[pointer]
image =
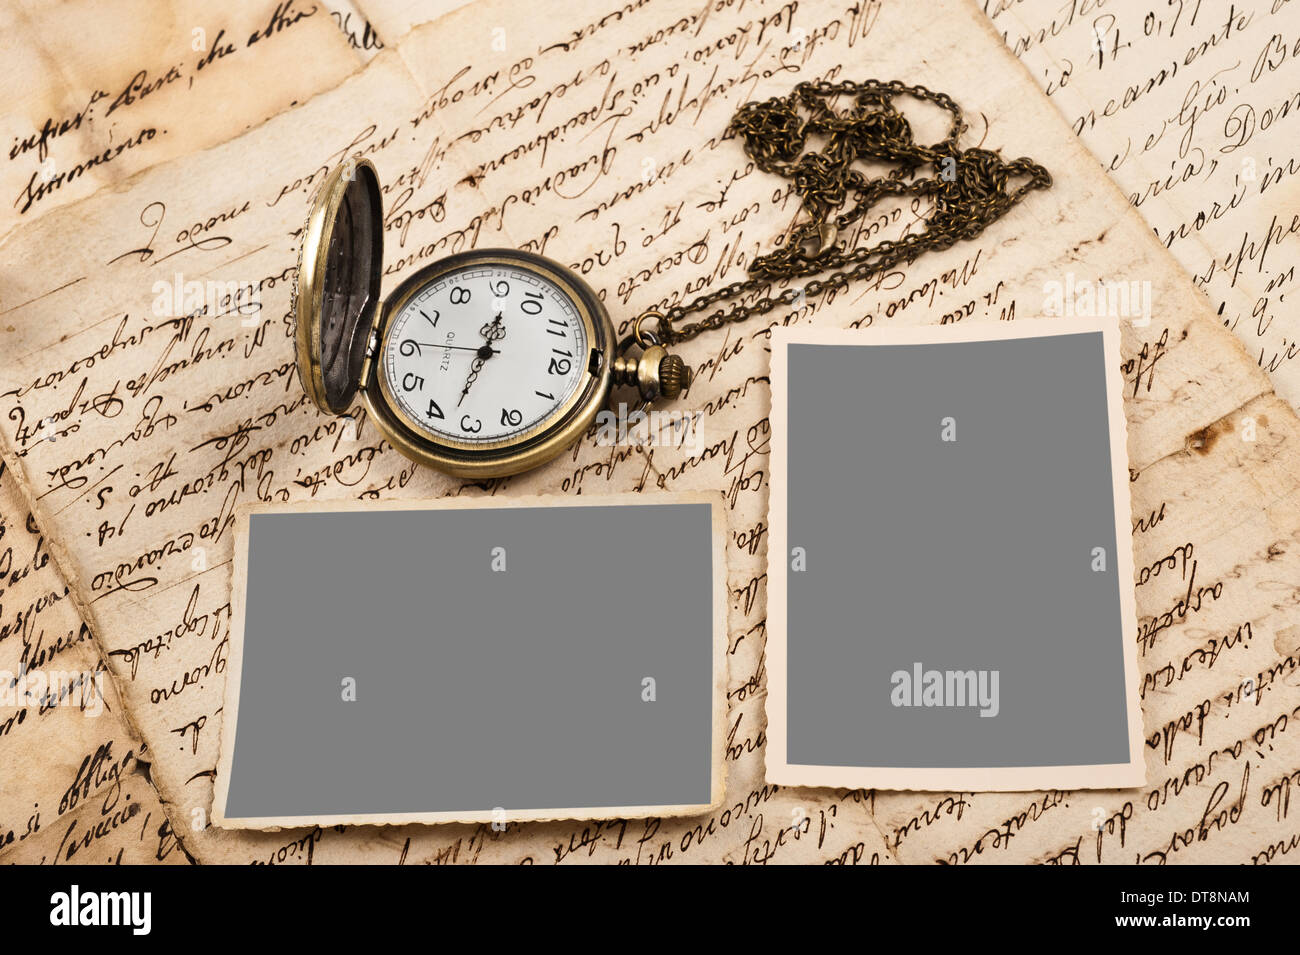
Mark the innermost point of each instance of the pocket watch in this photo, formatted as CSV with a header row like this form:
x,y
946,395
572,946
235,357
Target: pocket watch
x,y
483,364
491,362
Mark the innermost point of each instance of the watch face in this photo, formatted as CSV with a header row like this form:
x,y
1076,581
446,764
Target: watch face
x,y
485,354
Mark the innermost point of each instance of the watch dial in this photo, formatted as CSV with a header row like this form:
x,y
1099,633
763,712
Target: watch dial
x,y
485,353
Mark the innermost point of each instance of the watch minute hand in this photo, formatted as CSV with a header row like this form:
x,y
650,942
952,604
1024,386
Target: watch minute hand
x,y
475,367
473,348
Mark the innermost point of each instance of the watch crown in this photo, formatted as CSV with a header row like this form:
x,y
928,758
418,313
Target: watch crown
x,y
674,376
655,373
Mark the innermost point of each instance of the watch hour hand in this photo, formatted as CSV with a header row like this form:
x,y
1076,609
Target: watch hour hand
x,y
494,330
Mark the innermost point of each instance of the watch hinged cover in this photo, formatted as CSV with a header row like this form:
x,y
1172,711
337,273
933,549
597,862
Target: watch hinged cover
x,y
338,284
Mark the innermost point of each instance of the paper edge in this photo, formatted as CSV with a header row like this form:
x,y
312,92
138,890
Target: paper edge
x,y
234,672
1130,774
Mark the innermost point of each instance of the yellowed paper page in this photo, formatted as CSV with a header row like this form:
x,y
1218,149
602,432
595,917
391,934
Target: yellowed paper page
x,y
1191,107
599,143
96,92
74,778
393,19
360,32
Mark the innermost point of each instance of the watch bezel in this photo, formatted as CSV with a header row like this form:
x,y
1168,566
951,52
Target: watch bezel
x,y
515,453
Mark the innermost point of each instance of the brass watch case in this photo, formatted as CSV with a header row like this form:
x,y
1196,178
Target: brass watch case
x,y
340,327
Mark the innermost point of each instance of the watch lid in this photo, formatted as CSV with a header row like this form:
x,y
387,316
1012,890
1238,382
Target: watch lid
x,y
337,294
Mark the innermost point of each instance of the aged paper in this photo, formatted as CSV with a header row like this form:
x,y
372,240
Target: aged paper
x,y
1028,775
517,814
1191,107
360,32
392,19
599,142
74,777
90,102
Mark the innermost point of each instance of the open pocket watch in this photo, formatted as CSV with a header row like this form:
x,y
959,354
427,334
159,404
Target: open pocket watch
x,y
483,364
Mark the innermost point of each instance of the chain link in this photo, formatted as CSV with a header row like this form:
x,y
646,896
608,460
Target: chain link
x,y
969,190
